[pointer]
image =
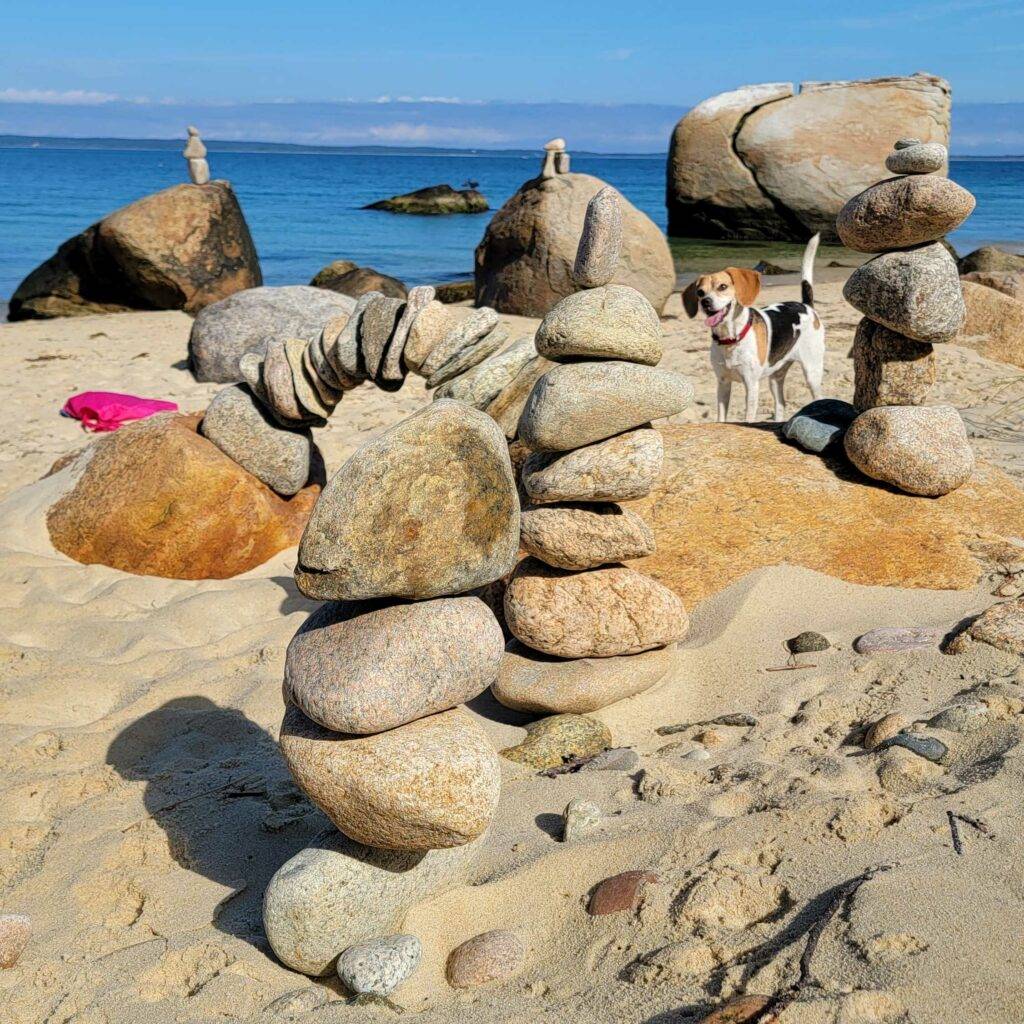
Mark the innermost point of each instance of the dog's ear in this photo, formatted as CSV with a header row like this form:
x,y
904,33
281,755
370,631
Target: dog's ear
x,y
690,299
747,284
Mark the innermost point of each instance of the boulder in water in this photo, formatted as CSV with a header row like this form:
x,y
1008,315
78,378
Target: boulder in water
x,y
434,200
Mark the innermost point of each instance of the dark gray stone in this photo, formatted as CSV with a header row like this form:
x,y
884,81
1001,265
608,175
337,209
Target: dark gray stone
x,y
820,426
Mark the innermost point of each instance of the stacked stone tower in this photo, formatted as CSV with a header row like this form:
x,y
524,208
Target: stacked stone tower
x,y
586,423
195,156
911,299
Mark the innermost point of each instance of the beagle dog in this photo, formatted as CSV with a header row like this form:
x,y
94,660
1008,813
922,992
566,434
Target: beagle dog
x,y
749,344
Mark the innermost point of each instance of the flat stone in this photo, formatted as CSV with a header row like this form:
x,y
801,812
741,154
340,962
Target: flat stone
x,y
15,931
579,818
469,356
363,668
318,350
1001,626
466,333
576,404
918,158
309,400
346,355
618,469
375,329
820,426
429,328
884,729
807,642
337,893
506,408
889,369
597,258
906,143
428,785
618,759
614,322
428,508
485,959
329,396
599,613
277,380
236,423
584,536
619,893
531,681
393,367
380,966
915,292
927,747
250,368
921,450
901,212
899,638
550,742
481,384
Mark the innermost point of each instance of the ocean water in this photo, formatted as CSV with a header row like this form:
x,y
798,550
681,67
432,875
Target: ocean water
x,y
304,210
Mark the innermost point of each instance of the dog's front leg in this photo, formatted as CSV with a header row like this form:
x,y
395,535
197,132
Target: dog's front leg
x,y
753,386
724,393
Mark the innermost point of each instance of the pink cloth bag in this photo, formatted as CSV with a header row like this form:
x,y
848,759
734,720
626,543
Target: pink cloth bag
x,y
107,410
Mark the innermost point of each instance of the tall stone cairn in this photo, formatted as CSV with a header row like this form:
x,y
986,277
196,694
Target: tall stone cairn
x,y
586,423
911,298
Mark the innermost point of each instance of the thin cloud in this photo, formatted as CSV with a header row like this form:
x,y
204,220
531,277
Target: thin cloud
x,y
63,98
623,53
931,12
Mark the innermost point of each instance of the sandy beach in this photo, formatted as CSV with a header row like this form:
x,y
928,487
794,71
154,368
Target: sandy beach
x,y
145,804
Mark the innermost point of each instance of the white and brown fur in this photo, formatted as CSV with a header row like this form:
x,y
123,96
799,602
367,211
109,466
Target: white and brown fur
x,y
779,336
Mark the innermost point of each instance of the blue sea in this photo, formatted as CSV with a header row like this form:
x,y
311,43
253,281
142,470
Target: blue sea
x,y
304,210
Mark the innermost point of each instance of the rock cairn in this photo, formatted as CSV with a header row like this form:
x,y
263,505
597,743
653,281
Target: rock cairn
x,y
911,298
586,423
556,159
195,155
401,541
264,423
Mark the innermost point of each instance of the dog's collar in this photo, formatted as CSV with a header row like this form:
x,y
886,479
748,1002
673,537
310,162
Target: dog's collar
x,y
739,337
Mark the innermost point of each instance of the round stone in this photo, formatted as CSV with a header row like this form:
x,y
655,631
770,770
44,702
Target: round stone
x,y
576,404
550,742
619,893
236,423
884,729
615,322
379,967
487,958
368,667
584,536
889,369
918,449
919,158
903,212
531,681
807,642
618,469
431,784
599,613
597,258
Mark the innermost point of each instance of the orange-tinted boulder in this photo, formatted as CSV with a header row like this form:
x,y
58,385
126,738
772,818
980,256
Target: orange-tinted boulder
x,y
157,499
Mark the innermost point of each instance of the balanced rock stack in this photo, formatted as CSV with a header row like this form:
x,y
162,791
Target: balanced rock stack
x,y
586,422
556,159
911,299
401,540
195,156
264,423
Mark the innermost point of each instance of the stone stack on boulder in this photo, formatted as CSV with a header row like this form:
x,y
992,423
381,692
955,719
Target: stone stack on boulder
x,y
911,298
586,422
404,537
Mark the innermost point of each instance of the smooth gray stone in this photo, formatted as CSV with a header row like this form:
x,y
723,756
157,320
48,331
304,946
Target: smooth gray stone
x,y
379,967
393,367
375,329
236,423
617,759
345,354
579,818
322,365
927,747
481,384
468,357
464,334
309,399
820,425
597,257
899,638
246,321
576,404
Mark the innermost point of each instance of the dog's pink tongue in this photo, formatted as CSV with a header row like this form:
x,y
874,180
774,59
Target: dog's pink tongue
x,y
716,318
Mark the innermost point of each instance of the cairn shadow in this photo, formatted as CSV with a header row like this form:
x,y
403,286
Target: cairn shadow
x,y
294,600
217,786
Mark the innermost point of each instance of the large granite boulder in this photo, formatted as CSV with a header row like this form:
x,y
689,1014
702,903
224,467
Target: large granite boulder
x,y
158,499
245,322
524,263
766,161
994,325
181,248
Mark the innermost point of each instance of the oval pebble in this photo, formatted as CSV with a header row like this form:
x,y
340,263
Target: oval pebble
x,y
486,958
379,967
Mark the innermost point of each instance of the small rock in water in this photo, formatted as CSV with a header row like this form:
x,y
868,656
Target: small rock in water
x,y
919,158
820,425
618,759
379,967
484,959
15,931
552,741
618,893
885,729
597,257
579,818
927,747
899,638
807,642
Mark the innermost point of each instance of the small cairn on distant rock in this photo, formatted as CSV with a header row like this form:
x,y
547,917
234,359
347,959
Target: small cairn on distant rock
x,y
195,155
586,422
911,298
556,159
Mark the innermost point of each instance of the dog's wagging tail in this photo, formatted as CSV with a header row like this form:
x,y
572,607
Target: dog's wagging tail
x,y
807,271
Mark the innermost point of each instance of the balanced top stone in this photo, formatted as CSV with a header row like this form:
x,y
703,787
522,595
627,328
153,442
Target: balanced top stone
x,y
597,257
194,148
552,150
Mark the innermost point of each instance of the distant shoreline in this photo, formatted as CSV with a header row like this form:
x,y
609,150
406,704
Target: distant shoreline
x,y
60,142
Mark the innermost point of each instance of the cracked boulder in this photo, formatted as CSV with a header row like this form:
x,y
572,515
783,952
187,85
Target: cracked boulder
x,y
767,161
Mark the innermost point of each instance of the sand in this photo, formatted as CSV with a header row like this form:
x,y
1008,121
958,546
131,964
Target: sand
x,y
144,804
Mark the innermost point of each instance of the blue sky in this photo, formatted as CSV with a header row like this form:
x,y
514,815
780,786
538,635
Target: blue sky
x,y
116,59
